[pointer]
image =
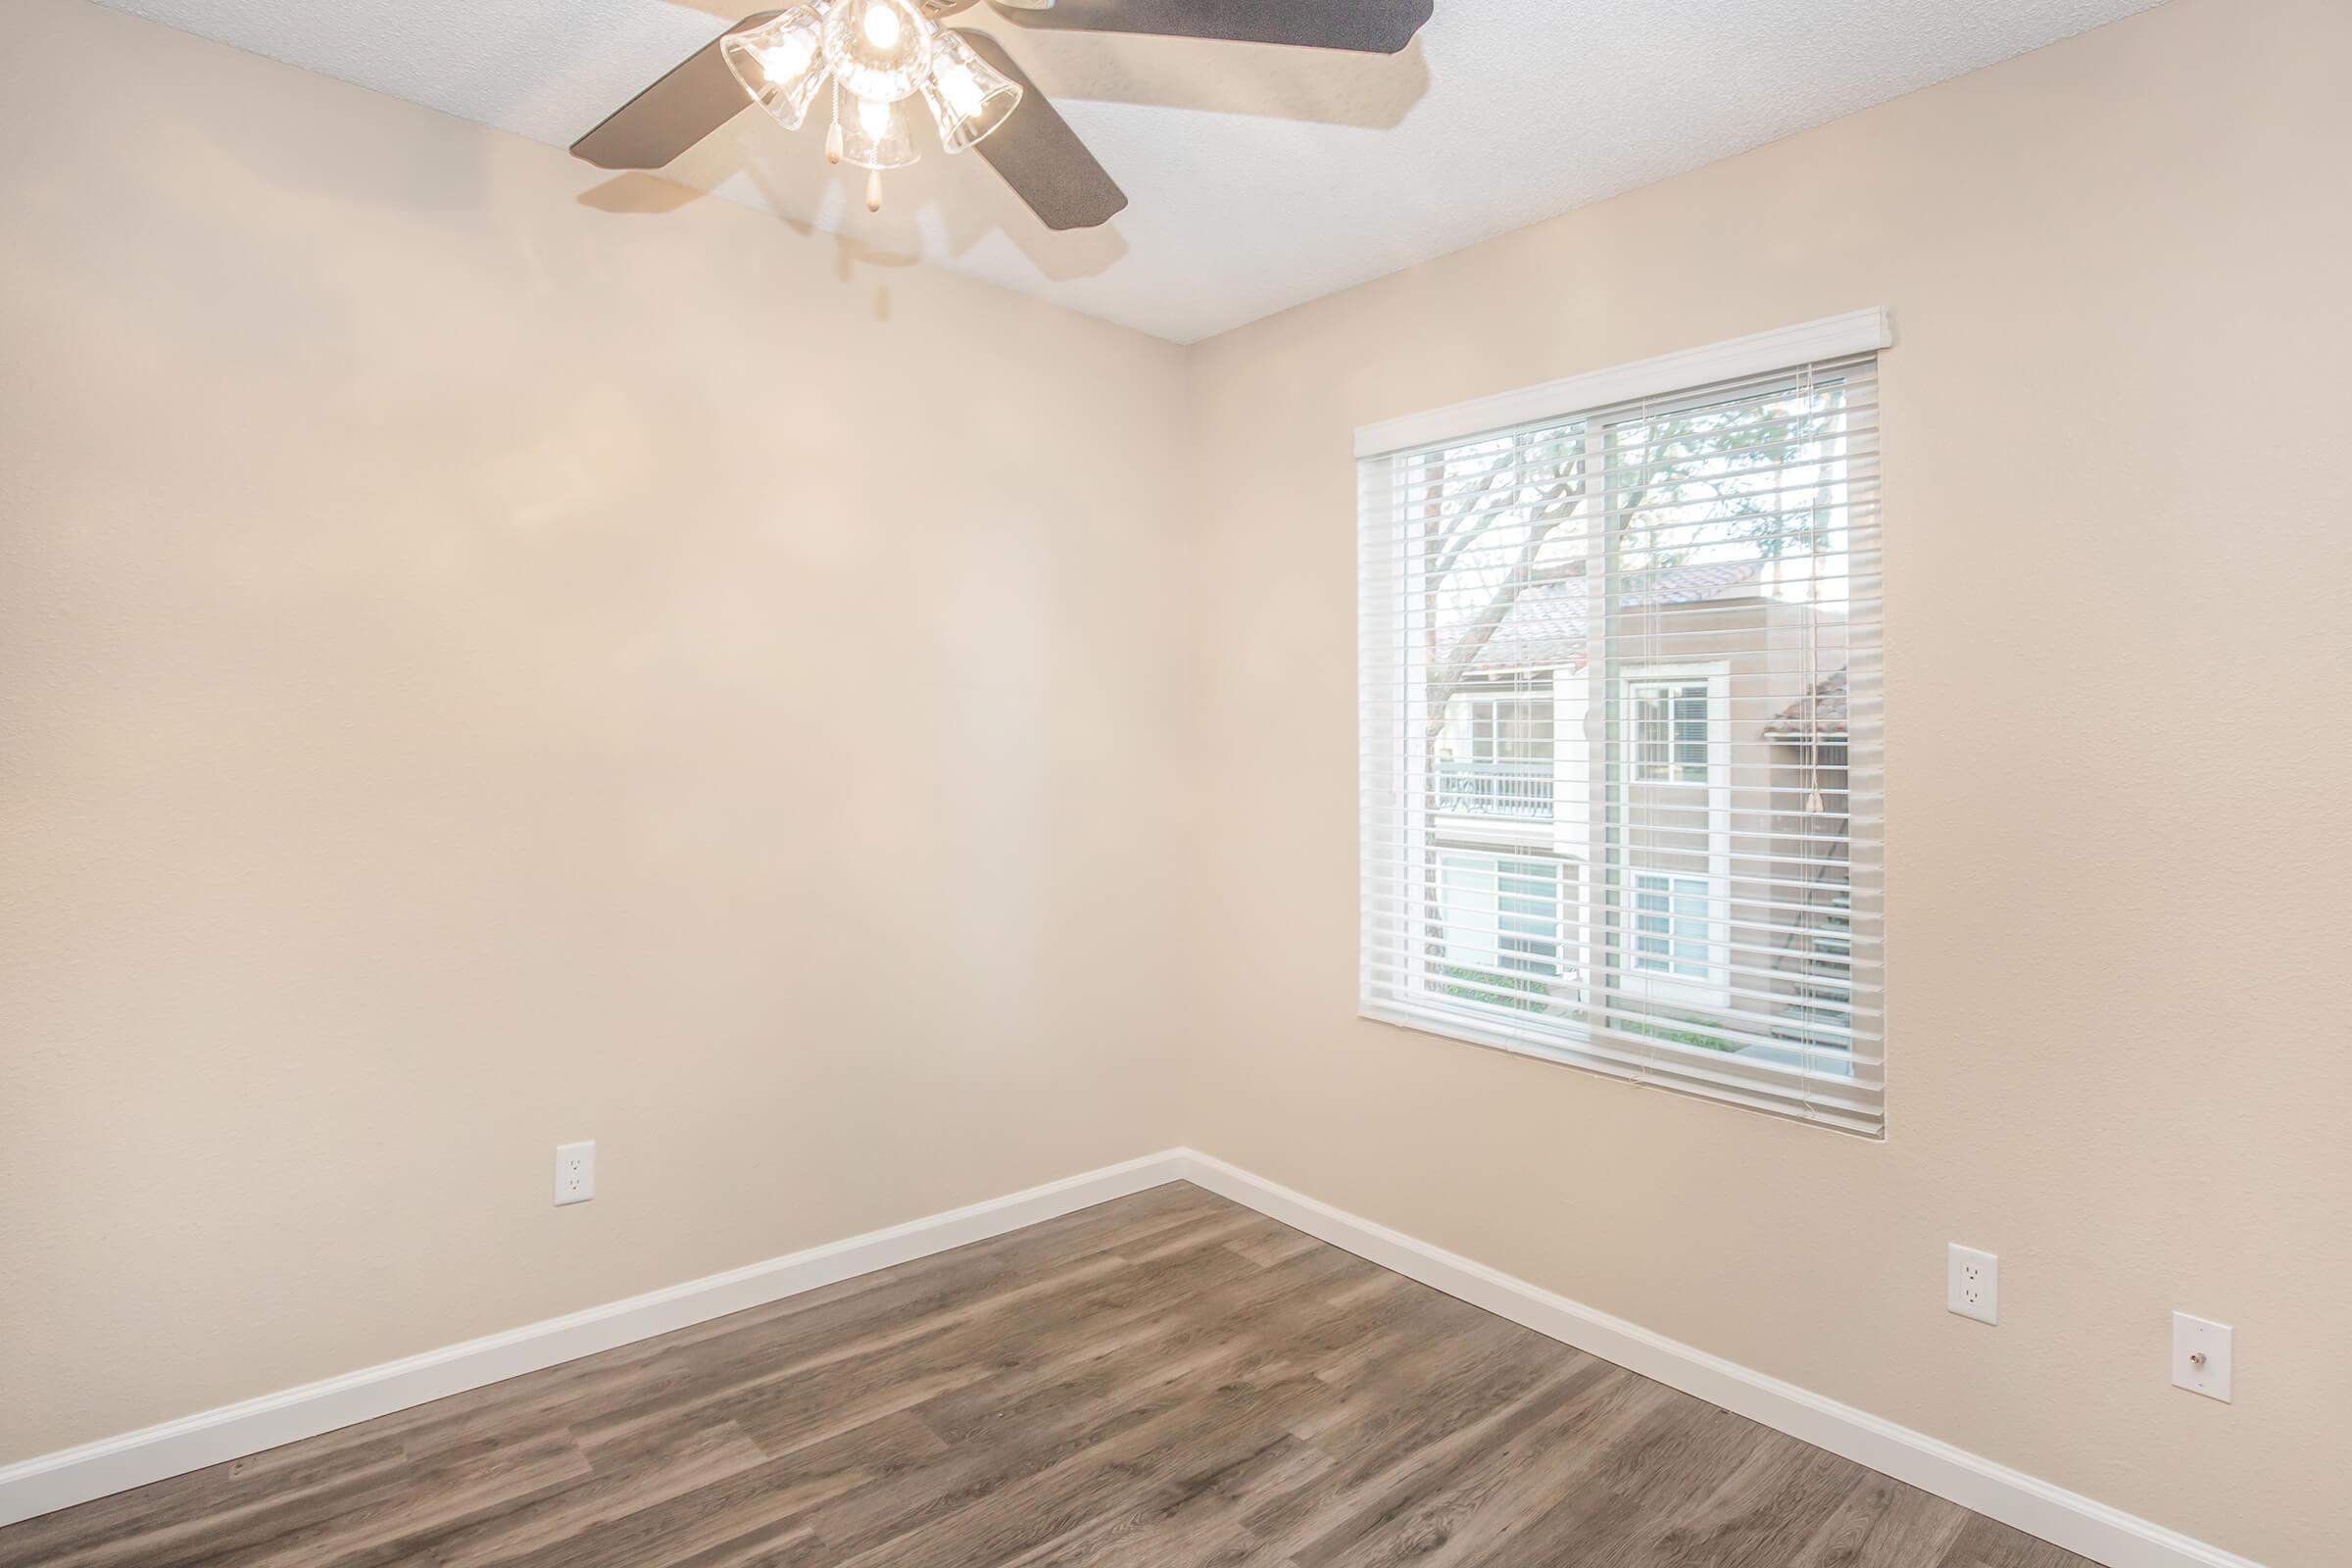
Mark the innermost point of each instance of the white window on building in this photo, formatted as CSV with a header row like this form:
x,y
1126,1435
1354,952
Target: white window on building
x,y
1494,755
1670,731
1506,917
1672,917
1510,729
1620,706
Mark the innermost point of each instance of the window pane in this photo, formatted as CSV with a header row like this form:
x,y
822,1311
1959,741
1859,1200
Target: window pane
x,y
1691,914
1529,906
1690,734
1654,924
1500,921
1495,750
1651,739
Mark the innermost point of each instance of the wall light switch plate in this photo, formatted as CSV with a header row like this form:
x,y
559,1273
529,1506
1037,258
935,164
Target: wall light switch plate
x,y
575,1172
1973,1284
2201,1356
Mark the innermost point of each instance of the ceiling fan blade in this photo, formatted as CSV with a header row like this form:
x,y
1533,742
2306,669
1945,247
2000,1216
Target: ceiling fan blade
x,y
1374,26
699,95
1041,157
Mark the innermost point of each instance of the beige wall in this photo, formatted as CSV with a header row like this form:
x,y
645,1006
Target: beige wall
x,y
2119,720
472,676
476,671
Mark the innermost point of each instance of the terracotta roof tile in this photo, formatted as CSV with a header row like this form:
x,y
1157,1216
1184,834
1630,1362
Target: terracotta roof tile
x,y
1822,715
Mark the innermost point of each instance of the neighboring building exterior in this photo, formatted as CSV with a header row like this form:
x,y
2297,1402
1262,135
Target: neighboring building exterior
x,y
1721,808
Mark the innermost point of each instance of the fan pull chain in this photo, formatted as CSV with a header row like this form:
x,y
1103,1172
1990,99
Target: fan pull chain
x,y
833,133
873,191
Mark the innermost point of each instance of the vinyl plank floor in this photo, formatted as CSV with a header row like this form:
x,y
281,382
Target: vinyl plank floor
x,y
1168,1381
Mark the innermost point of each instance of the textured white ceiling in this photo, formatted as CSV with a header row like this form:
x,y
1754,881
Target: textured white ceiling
x,y
1259,177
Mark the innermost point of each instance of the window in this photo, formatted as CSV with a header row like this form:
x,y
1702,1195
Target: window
x,y
1670,729
1511,729
1621,714
1494,755
1671,925
1506,915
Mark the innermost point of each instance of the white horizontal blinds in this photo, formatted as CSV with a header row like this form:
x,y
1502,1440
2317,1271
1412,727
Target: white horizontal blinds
x,y
1620,740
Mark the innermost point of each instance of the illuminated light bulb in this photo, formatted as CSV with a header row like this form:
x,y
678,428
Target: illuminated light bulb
x,y
968,96
958,86
877,48
779,62
786,58
875,135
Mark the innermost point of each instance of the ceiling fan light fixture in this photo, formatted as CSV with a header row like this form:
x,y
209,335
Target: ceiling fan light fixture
x,y
781,64
887,51
968,96
876,48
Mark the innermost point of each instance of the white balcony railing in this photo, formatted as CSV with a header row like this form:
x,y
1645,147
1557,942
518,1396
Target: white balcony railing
x,y
1516,790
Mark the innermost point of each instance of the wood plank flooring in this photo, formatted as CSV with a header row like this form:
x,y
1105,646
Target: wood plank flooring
x,y
1168,1381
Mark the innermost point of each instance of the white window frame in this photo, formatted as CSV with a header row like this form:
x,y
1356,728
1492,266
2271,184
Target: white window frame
x,y
1833,337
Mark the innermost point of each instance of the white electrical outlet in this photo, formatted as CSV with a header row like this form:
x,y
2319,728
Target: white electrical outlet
x,y
2201,1356
575,1172
1973,1284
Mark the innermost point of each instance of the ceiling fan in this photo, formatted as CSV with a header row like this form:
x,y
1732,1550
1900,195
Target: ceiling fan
x,y
877,55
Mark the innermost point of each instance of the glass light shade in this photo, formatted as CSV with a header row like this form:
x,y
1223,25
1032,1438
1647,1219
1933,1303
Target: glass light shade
x,y
874,134
880,49
781,64
968,96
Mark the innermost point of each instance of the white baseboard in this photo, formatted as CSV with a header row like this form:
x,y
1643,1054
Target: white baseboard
x,y
2095,1531
2068,1519
70,1476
